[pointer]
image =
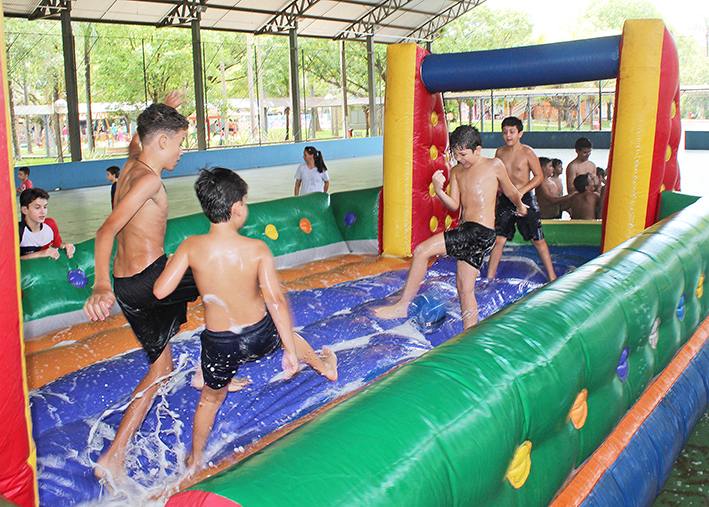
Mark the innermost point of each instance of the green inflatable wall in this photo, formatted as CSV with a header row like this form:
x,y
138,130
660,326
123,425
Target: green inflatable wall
x,y
443,429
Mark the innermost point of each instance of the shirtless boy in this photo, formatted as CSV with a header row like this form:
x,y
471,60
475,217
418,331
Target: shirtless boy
x,y
581,164
241,325
138,224
586,205
520,161
550,195
473,187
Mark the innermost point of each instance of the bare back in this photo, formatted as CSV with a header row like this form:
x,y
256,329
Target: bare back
x,y
141,239
228,270
478,186
585,206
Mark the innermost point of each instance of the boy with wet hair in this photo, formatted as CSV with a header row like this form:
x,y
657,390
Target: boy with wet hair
x,y
241,325
137,224
474,182
581,164
520,162
39,234
586,205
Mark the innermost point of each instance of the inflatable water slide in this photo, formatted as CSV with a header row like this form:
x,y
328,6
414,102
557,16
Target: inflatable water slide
x,y
577,392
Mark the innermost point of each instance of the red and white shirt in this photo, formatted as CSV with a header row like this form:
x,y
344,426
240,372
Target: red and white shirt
x,y
31,242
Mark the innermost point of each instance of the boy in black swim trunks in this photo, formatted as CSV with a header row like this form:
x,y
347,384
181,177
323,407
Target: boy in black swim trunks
x,y
520,162
137,223
474,182
241,324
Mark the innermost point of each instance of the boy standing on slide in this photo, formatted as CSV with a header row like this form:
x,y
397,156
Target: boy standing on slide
x,y
473,186
245,311
138,223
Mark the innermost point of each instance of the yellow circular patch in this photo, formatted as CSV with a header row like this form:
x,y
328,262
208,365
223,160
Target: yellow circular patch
x,y
431,190
449,222
579,411
434,224
448,189
271,232
521,464
305,226
434,118
434,152
700,286
674,109
447,156
668,153
663,188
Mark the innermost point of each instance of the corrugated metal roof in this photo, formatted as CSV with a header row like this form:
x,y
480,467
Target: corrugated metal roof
x,y
387,22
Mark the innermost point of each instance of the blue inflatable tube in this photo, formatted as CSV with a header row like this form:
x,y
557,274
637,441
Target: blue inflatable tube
x,y
545,64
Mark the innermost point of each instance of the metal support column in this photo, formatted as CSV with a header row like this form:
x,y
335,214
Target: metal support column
x,y
198,84
343,82
72,95
294,84
371,76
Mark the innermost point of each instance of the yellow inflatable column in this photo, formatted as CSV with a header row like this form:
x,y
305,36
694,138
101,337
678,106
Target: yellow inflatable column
x,y
643,158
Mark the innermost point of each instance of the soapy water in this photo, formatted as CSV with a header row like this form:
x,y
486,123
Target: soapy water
x,y
75,417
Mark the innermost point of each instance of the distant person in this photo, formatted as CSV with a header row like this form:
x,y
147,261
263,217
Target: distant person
x,y
39,235
581,164
558,167
311,176
520,162
23,174
241,325
586,204
112,174
474,183
550,195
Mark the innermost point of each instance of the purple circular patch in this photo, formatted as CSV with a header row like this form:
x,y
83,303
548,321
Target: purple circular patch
x,y
622,368
680,309
77,278
350,218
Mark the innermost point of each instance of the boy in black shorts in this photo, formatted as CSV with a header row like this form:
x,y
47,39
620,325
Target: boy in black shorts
x,y
474,182
137,224
242,324
520,162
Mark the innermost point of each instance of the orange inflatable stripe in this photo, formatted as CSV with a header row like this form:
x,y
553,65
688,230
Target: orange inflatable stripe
x,y
590,473
48,358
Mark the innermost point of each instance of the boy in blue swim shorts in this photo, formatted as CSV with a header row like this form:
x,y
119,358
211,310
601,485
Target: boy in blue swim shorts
x,y
245,311
474,182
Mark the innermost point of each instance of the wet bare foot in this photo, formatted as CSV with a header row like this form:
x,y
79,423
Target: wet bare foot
x,y
395,311
109,471
330,359
236,384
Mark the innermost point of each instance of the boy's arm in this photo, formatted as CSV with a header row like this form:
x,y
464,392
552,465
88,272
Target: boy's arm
x,y
452,201
47,252
174,270
278,308
297,188
536,169
570,175
544,192
98,306
508,187
134,146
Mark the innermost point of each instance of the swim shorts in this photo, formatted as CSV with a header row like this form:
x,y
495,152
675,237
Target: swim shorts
x,y
530,225
154,321
224,351
469,242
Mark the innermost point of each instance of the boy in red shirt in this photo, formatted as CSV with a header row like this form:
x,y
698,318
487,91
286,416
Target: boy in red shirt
x,y
39,235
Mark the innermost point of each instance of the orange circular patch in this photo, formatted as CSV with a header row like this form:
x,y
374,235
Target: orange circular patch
x,y
579,411
305,226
